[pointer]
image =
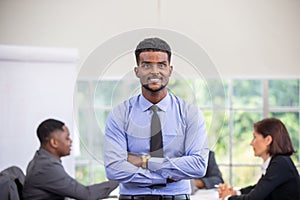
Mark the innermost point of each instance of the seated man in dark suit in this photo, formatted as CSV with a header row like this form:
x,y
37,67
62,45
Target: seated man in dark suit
x,y
213,174
46,177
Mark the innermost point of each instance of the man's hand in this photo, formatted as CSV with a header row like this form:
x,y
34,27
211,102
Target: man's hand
x,y
171,180
199,183
135,160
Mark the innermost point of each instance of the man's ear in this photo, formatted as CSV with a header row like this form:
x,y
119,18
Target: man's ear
x,y
136,71
53,142
171,70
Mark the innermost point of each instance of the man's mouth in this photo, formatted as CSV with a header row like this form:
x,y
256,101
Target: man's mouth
x,y
154,79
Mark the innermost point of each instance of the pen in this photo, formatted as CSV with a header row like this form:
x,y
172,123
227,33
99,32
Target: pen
x,y
234,188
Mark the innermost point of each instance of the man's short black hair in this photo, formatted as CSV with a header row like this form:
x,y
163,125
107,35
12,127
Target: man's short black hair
x,y
47,127
152,44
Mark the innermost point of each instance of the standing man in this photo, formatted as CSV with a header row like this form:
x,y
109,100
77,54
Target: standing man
x,y
155,142
46,177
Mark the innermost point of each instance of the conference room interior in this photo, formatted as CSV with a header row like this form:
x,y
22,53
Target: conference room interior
x,y
238,61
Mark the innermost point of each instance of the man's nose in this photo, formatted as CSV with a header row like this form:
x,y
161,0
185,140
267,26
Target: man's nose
x,y
154,69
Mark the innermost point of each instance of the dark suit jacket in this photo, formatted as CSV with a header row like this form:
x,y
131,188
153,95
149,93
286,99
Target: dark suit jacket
x,y
11,183
47,179
281,182
213,174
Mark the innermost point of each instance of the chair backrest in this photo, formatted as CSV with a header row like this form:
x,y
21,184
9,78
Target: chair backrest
x,y
11,183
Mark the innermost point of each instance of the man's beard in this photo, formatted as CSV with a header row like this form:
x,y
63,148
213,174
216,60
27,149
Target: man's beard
x,y
146,86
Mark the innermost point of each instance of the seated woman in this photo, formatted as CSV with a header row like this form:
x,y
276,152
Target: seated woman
x,y
280,179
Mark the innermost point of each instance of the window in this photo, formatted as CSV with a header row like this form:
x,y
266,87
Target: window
x,y
230,108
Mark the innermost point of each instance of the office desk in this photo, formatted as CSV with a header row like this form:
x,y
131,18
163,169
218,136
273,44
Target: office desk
x,y
203,194
211,194
207,194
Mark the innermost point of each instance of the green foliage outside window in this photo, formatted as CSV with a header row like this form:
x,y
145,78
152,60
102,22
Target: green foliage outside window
x,y
230,108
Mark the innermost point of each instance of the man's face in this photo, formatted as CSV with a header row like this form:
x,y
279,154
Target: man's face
x,y
153,70
63,142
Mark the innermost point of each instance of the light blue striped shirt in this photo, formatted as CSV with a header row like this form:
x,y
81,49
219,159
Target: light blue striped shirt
x,y
185,146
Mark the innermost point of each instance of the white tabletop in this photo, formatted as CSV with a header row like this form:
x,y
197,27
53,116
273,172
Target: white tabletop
x,y
207,194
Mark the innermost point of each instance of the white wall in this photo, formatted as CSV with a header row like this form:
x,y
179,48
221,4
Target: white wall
x,y
243,38
36,83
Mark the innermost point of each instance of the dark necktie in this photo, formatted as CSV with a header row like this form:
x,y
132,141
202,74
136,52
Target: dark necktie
x,y
156,143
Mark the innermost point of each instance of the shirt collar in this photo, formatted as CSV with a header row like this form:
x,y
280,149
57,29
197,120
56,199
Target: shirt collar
x,y
47,153
265,165
163,104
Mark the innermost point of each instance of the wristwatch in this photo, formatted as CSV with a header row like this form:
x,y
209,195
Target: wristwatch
x,y
145,159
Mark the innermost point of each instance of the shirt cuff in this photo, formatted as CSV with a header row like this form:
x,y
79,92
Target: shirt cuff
x,y
159,182
226,198
155,163
238,192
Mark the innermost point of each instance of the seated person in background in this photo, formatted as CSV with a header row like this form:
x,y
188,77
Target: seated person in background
x,y
280,178
213,174
46,177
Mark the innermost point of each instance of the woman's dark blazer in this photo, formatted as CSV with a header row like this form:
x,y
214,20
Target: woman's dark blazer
x,y
281,182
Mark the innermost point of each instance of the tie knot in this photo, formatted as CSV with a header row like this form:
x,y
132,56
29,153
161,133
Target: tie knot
x,y
154,108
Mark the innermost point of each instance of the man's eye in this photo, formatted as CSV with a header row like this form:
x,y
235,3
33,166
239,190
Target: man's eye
x,y
161,65
147,65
